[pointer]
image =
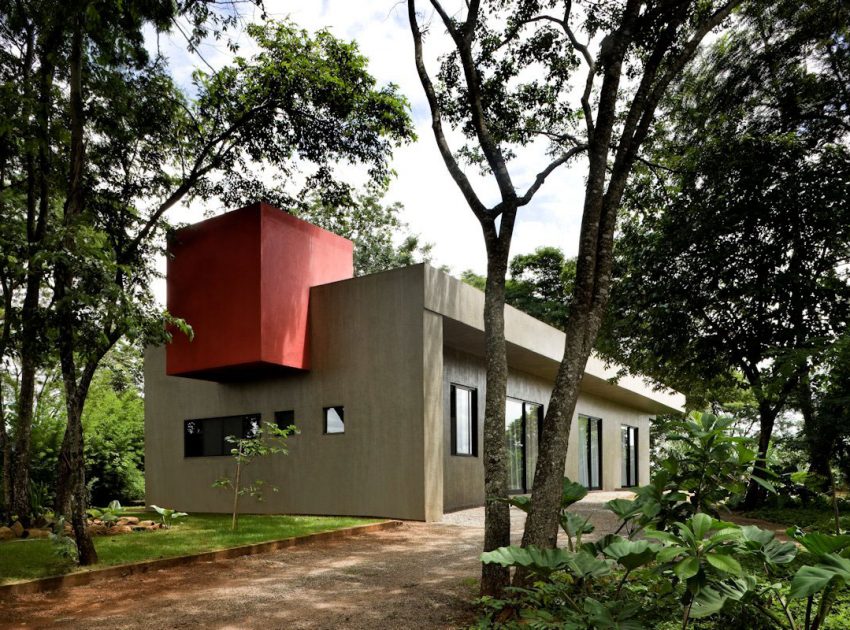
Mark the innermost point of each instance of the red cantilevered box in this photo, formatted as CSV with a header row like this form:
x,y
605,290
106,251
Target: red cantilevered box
x,y
242,281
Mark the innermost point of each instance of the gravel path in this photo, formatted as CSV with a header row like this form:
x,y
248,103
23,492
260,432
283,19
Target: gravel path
x,y
419,575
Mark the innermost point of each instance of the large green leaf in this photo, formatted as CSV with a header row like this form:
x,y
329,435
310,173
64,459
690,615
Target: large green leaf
x,y
625,509
707,601
585,565
821,544
724,563
543,561
812,579
573,524
613,615
571,492
701,524
631,554
686,568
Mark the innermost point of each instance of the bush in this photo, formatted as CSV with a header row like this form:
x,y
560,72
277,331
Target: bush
x,y
706,569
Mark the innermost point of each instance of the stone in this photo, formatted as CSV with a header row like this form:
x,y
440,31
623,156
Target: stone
x,y
6,533
96,530
17,529
131,520
37,533
147,523
119,529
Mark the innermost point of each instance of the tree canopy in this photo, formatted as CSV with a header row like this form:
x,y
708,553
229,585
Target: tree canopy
x,y
732,257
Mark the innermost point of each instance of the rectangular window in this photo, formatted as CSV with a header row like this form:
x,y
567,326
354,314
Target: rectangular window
x,y
464,415
334,419
630,456
207,437
522,435
284,419
590,452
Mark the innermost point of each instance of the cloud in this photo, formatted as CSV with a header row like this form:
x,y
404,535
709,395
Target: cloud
x,y
434,208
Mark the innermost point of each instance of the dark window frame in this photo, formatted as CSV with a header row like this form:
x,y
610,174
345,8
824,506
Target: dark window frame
x,y
598,421
540,407
632,431
341,413
279,420
226,447
473,419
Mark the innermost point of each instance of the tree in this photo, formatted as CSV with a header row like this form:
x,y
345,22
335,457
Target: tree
x,y
263,441
538,284
506,83
373,227
732,257
137,146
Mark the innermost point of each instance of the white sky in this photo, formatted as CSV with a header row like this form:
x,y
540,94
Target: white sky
x,y
434,208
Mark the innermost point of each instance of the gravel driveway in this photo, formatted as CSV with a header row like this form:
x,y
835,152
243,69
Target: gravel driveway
x,y
420,575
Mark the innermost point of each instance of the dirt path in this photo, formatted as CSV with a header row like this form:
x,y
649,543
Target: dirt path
x,y
416,576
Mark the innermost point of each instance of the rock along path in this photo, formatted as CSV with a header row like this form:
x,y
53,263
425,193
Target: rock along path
x,y
419,575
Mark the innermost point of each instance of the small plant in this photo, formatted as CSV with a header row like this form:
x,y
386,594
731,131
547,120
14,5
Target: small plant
x,y
268,440
108,515
62,545
168,516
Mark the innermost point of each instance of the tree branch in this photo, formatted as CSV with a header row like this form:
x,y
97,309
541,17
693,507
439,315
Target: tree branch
x,y
454,169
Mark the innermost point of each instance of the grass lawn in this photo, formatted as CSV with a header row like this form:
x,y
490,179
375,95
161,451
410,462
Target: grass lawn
x,y
819,519
196,533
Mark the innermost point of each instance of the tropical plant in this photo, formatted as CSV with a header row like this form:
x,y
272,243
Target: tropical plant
x,y
688,558
167,515
267,439
109,514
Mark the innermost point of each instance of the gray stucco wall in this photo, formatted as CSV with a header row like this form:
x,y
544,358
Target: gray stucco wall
x,y
463,478
367,354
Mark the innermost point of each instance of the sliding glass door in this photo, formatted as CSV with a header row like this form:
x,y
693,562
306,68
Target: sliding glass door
x,y
630,456
515,443
590,452
522,427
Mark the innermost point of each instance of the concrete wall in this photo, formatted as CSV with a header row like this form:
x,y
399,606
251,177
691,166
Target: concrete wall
x,y
367,354
463,478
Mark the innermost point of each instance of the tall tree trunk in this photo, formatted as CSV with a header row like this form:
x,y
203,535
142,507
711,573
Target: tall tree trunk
x,y
72,473
72,483
756,494
819,439
38,176
497,520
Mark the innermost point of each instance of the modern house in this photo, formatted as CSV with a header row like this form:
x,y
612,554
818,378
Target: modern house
x,y
382,374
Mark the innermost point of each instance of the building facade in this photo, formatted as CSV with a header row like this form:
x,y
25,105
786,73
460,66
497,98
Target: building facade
x,y
387,394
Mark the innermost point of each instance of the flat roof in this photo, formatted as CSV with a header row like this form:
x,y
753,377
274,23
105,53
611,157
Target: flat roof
x,y
536,347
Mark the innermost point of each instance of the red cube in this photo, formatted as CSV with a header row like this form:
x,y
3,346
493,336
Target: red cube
x,y
242,282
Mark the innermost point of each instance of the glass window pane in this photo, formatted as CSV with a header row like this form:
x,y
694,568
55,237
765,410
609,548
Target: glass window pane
x,y
624,451
514,438
582,452
213,437
284,419
334,420
594,454
633,459
463,414
532,426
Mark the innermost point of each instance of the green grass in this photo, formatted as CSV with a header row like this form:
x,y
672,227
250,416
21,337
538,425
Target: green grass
x,y
821,519
197,533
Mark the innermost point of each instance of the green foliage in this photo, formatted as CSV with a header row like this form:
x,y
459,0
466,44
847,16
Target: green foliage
x,y
197,533
113,426
712,465
109,514
708,569
167,515
374,228
268,439
62,545
539,284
